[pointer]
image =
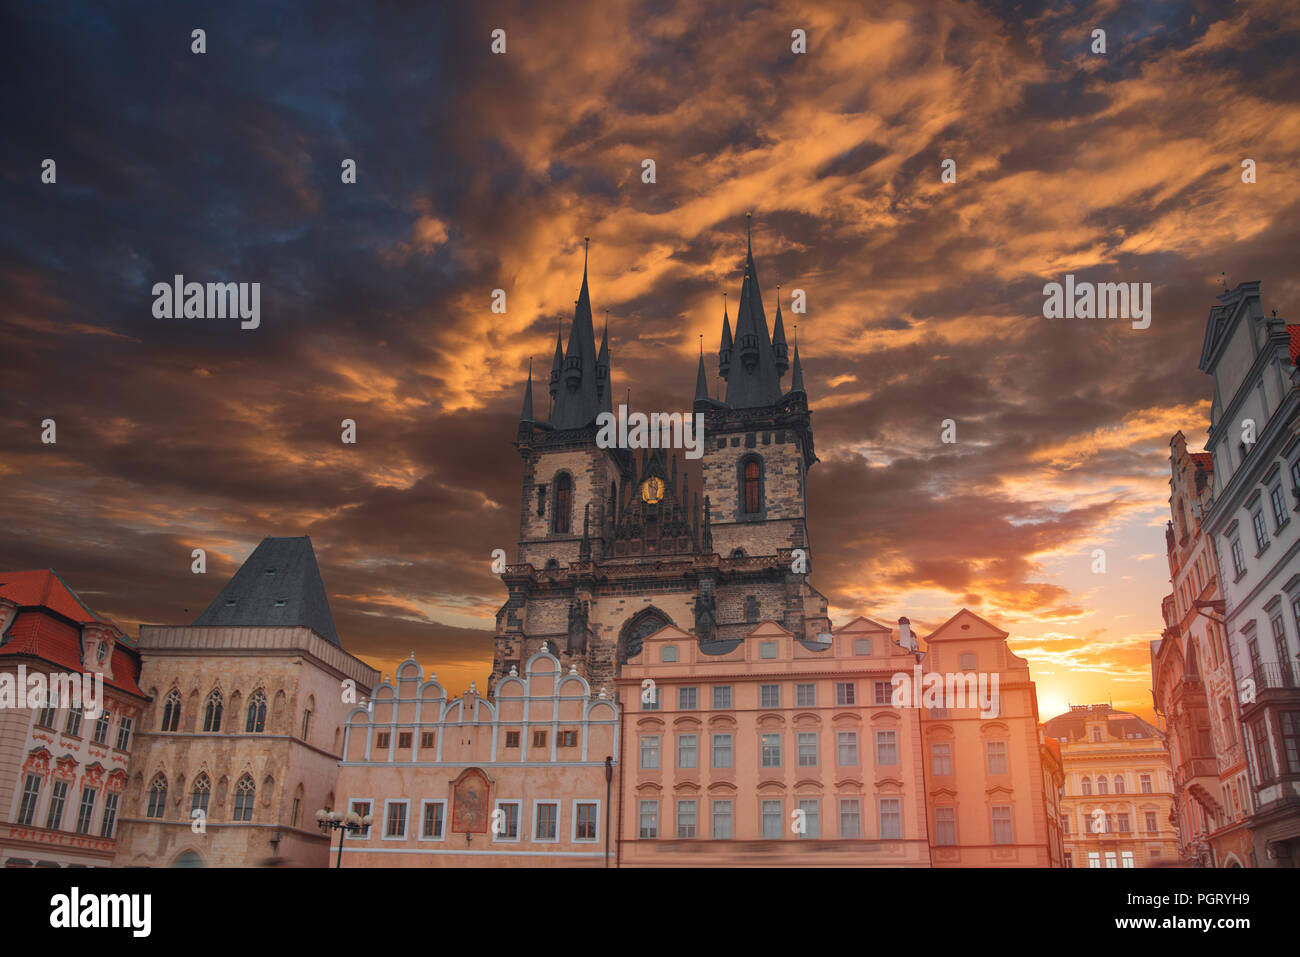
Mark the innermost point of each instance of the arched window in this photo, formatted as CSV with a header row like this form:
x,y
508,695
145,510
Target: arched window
x,y
245,792
563,504
1086,786
199,796
1103,786
751,485
751,609
171,718
306,717
256,722
212,713
1119,784
157,796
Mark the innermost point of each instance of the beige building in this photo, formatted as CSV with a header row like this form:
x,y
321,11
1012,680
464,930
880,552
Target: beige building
x,y
240,743
1118,807
526,780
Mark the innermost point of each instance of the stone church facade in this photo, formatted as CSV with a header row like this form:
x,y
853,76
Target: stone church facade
x,y
614,544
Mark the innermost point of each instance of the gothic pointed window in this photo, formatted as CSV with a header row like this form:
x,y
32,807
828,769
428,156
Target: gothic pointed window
x,y
256,722
751,485
171,718
199,796
157,796
212,713
245,793
560,519
751,609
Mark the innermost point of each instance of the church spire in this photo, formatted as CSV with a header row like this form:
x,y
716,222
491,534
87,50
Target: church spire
x,y
755,383
701,380
578,401
603,384
527,414
779,349
724,351
796,381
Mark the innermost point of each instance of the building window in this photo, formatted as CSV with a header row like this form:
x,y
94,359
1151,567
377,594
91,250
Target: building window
x,y
846,693
807,747
245,799
547,817
86,810
1123,823
1261,532
1119,784
967,661
1144,783
568,739
58,797
721,820
770,812
1094,859
395,819
862,646
110,815
648,819
404,740
722,750
199,796
846,747
770,750
539,739
124,733
1126,858
941,759
649,750
850,817
805,696
812,818
1149,819
1103,786
1238,558
101,728
560,517
722,697
157,797
668,653
256,721
685,819
45,718
212,713
1279,644
769,696
687,751
1002,833
31,796
383,739
687,699
884,693
997,756
945,826
361,809
766,649
586,821
431,826
427,740
751,478
1085,786
297,809
1290,721
1096,735
650,698
306,723
891,819
509,830
886,747
1111,860
171,716
1280,517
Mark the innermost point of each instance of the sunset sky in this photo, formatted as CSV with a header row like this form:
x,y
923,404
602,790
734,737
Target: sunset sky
x,y
479,171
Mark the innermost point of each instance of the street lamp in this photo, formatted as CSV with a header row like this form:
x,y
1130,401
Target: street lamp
x,y
351,822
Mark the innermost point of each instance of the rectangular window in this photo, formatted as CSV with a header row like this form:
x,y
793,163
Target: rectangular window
x,y
772,820
509,821
1149,819
850,817
862,646
427,742
1123,824
722,697
433,820
1263,755
404,739
941,759
360,809
807,744
649,750
846,748
86,810
1261,532
49,713
512,739
668,654
383,739
58,796
1280,516
1111,859
805,696
688,751
648,819
1126,858
812,818
539,739
101,728
297,809
110,815
568,739
1290,721
945,826
1295,478
31,795
1002,833
73,724
884,693
124,733
770,750
767,649
586,821
547,815
886,747
395,823
997,756
650,699
721,820
722,750
1279,643
1094,859
1238,558
685,819
891,819
769,696
846,693
686,699
1144,782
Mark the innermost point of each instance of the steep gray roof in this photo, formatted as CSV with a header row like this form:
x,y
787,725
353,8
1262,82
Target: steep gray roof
x,y
278,586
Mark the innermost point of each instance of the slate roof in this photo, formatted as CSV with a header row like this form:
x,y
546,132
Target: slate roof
x,y
278,586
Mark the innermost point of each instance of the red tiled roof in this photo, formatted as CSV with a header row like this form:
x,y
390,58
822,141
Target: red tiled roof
x,y
1204,459
46,589
1295,343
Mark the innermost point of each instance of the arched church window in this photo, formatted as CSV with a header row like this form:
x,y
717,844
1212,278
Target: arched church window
x,y
171,718
245,792
639,629
199,797
560,521
256,722
752,485
212,713
157,796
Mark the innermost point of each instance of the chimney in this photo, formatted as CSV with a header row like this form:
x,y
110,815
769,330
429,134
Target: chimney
x,y
905,636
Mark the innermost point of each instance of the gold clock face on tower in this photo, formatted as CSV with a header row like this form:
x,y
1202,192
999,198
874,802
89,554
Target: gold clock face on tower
x,y
652,490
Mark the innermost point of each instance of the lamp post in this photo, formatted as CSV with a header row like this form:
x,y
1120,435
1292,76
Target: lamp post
x,y
351,822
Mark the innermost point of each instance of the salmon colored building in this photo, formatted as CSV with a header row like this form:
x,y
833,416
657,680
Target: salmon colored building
x,y
524,781
984,780
770,750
